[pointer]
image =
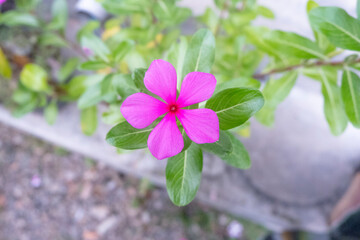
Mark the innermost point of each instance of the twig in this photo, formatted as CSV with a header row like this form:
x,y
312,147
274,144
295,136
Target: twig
x,y
74,46
224,9
319,63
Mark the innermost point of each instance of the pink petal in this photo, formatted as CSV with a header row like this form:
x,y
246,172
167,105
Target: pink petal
x,y
196,87
201,125
166,140
140,109
160,79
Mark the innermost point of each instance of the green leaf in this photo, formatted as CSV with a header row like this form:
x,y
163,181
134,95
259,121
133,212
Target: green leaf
x,y
229,149
16,18
177,57
113,115
122,50
293,45
88,120
321,39
125,6
124,85
238,157
311,5
91,96
200,54
34,77
138,78
210,19
256,36
5,69
187,140
180,15
135,60
164,10
96,93
93,65
126,136
220,148
275,92
51,112
234,106
358,9
60,14
350,92
26,5
96,45
26,107
22,95
87,29
106,84
51,39
183,175
76,86
67,69
265,12
333,105
108,89
340,28
266,115
168,13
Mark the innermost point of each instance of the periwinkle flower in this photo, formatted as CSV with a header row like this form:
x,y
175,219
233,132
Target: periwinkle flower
x,y
166,140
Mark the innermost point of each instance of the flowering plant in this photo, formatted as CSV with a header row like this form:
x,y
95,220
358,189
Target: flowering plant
x,y
165,140
113,66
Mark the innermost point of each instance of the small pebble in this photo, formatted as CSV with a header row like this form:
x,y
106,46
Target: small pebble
x,y
99,212
223,220
106,225
145,217
89,235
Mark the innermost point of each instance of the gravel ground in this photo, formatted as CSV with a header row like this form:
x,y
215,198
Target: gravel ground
x,y
48,193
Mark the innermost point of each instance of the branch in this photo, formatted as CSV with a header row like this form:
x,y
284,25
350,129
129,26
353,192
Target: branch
x,y
318,63
224,9
74,46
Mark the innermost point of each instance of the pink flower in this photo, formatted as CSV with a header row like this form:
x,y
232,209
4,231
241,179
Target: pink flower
x,y
86,50
166,140
35,180
2,1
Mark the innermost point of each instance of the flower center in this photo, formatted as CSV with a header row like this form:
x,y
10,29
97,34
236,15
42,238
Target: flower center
x,y
173,108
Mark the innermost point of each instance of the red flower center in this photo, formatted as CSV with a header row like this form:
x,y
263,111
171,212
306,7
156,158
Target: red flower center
x,y
173,108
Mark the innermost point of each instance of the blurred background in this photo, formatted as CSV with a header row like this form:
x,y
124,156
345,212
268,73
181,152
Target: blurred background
x,y
304,183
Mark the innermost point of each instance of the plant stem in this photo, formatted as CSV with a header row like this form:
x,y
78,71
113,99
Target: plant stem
x,y
74,46
224,9
318,63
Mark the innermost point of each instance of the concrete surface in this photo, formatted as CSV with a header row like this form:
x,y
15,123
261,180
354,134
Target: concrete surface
x,y
295,180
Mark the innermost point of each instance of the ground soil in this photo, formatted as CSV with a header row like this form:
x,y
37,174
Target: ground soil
x,y
47,193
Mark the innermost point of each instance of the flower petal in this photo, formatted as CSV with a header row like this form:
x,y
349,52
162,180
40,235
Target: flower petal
x,y
196,87
166,140
160,79
201,125
140,109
